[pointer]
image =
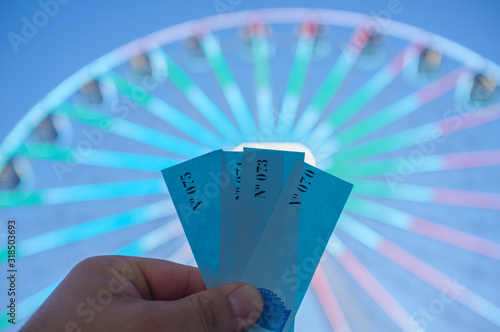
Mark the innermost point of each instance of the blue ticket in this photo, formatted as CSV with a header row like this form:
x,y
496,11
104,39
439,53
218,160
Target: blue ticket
x,y
276,251
323,197
293,241
263,175
230,193
194,188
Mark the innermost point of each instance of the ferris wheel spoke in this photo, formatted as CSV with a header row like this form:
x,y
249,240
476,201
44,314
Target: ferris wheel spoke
x,y
427,194
366,93
399,109
432,132
152,240
228,84
420,269
371,285
92,228
107,123
200,100
263,89
330,85
82,193
96,157
421,164
164,111
329,302
423,227
300,65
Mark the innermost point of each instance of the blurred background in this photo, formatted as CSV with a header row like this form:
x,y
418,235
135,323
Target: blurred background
x,y
414,232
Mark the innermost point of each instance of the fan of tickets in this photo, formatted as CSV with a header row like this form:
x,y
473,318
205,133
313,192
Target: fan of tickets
x,y
263,217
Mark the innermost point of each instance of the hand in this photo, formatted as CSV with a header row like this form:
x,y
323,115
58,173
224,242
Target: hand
x,y
119,293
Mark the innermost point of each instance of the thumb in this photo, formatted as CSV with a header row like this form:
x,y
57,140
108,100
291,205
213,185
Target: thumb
x,y
232,307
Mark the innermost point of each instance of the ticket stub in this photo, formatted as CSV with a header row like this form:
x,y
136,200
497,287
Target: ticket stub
x,y
230,194
296,234
194,188
263,175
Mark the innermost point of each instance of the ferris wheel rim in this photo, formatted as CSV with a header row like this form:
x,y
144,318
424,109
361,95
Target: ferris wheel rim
x,y
236,19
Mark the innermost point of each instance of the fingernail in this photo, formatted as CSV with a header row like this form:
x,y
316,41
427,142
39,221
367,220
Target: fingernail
x,y
246,301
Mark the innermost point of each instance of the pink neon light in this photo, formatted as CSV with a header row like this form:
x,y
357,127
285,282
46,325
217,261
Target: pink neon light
x,y
470,119
376,291
438,280
472,159
414,265
467,198
329,301
440,86
309,28
359,39
456,238
401,60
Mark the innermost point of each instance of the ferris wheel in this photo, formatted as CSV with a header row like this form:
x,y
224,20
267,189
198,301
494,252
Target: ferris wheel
x,y
409,117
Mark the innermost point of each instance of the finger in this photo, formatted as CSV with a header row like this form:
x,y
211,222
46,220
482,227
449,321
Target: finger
x,y
166,280
232,307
